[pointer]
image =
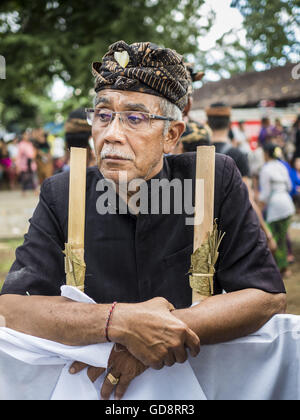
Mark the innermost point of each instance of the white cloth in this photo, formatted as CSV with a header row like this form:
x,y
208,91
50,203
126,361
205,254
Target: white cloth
x,y
275,185
49,378
265,365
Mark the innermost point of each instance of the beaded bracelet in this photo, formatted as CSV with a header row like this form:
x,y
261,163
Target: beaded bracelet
x,y
108,321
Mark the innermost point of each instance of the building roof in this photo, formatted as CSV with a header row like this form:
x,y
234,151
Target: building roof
x,y
249,89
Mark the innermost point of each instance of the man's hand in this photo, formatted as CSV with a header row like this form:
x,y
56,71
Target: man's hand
x,y
152,334
122,365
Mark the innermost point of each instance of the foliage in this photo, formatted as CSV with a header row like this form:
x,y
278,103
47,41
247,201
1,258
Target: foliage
x,y
47,40
43,40
272,31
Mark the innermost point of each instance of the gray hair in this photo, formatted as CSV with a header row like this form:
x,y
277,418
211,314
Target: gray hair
x,y
170,110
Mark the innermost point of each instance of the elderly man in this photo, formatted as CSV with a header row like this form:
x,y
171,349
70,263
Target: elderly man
x,y
141,260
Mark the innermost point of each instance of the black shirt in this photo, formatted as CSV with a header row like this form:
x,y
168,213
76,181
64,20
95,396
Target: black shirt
x,y
133,259
240,158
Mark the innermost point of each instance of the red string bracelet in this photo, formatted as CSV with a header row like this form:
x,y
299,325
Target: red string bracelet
x,y
108,321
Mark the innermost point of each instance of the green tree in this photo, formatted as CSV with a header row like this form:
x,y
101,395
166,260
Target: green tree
x,y
272,31
43,40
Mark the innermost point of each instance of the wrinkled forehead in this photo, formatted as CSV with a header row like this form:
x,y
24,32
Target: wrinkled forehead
x,y
127,100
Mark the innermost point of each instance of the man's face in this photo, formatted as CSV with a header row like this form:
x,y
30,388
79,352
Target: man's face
x,y
120,148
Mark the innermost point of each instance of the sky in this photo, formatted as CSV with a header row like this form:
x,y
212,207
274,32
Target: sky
x,y
227,18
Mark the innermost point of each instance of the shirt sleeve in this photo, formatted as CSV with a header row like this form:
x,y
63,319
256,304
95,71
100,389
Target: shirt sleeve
x,y
39,265
245,260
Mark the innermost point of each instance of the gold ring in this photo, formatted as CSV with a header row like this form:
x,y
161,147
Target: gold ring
x,y
114,381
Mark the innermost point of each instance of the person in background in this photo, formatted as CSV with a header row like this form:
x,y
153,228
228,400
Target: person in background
x,y
195,133
295,178
58,153
241,139
266,132
78,134
43,155
297,137
219,115
275,187
26,164
12,148
1,157
218,119
279,133
5,162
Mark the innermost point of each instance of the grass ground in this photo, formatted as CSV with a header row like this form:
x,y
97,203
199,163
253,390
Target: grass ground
x,y
7,256
292,283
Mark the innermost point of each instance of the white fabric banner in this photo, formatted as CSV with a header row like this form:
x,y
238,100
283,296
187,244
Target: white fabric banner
x,y
262,366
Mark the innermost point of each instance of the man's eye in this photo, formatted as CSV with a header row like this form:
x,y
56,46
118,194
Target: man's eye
x,y
104,116
135,119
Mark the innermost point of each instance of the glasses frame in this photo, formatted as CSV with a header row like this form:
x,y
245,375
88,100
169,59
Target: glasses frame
x,y
114,114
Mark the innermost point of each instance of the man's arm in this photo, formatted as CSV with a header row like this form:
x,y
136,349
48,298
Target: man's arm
x,y
39,272
149,330
227,317
55,318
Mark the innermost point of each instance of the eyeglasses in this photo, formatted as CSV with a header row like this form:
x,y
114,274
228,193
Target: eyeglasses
x,y
132,119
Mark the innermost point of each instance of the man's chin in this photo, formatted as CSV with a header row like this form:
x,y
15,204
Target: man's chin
x,y
117,175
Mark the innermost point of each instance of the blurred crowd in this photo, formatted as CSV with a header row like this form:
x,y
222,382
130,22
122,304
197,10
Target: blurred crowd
x,y
32,157
275,173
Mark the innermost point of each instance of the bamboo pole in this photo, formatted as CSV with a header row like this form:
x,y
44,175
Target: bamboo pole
x,y
204,200
75,266
76,227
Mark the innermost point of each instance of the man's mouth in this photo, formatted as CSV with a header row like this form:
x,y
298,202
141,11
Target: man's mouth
x,y
114,157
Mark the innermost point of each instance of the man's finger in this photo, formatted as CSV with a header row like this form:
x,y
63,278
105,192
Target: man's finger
x,y
170,360
77,367
157,366
94,373
192,342
121,388
107,388
180,355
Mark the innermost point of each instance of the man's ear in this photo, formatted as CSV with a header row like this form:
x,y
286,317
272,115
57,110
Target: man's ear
x,y
176,130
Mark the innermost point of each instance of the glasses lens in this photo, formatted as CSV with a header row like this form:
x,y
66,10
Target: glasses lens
x,y
103,117
137,120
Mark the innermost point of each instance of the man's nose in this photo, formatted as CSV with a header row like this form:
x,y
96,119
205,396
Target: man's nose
x,y
116,131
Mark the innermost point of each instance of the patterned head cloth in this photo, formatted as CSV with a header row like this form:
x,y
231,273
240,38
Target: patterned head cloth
x,y
144,67
193,77
196,133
